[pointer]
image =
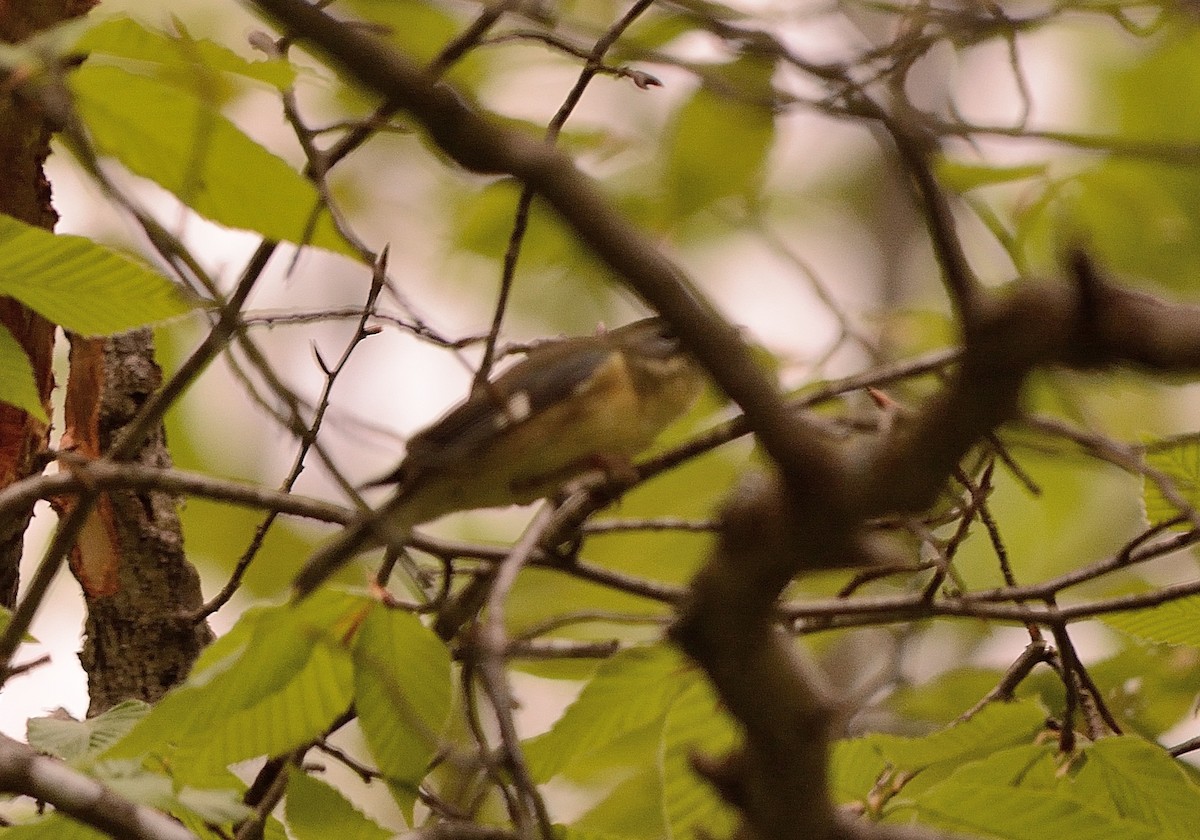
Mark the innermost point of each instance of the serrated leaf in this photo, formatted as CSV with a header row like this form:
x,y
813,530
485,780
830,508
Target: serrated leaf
x,y
630,692
1138,780
126,38
74,739
694,723
1150,688
272,829
316,811
1036,765
633,810
299,712
134,782
854,767
1006,813
997,725
402,694
857,763
1179,461
218,806
63,738
82,286
943,699
17,385
289,680
1174,623
179,141
1117,787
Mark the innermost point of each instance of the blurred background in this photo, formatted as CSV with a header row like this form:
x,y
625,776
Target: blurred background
x,y
786,209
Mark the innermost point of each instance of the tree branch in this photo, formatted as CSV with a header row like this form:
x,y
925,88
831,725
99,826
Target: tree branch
x,y
484,146
25,772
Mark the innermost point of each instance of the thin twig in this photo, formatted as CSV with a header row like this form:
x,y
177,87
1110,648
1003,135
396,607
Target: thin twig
x,y
492,643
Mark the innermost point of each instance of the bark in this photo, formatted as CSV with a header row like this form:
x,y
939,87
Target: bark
x,y
129,560
25,195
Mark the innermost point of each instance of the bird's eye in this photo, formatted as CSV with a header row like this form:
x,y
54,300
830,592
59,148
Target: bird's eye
x,y
662,342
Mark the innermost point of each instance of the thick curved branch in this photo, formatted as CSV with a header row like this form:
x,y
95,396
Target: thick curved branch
x,y
485,146
25,772
1083,322
812,515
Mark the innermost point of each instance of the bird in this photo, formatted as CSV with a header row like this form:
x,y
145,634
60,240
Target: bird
x,y
571,406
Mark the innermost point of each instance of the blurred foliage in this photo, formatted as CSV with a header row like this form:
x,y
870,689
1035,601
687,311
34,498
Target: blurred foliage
x,y
740,129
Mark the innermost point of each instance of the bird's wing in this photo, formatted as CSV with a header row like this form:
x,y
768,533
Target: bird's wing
x,y
549,374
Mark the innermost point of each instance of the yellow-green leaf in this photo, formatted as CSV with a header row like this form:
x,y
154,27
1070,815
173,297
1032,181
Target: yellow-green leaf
x,y
316,811
82,286
1179,463
17,385
402,694
179,141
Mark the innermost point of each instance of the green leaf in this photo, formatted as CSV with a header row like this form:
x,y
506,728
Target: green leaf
x,y
54,827
1122,787
71,739
1175,622
719,142
133,781
82,286
633,809
946,696
288,681
1138,780
1149,688
418,29
987,809
854,767
963,177
857,763
218,806
17,385
1094,207
483,224
631,692
653,32
996,725
694,723
1085,509
44,49
691,491
1156,97
182,143
316,811
580,832
300,711
125,38
402,693
1179,462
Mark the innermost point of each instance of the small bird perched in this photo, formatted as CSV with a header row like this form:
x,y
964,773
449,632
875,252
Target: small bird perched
x,y
570,407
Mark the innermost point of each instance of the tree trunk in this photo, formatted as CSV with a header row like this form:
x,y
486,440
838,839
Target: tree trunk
x,y
129,558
